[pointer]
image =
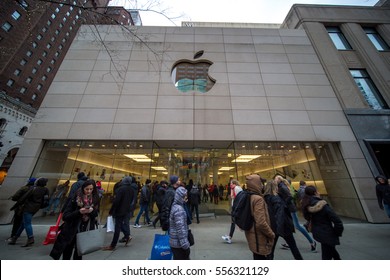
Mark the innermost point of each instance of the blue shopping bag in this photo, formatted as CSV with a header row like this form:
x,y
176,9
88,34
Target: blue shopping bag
x,y
161,249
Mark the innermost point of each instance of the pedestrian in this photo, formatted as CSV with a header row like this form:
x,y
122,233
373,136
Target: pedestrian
x,y
31,205
194,201
285,193
178,229
17,208
235,188
326,226
260,237
120,211
144,204
383,193
81,211
81,178
160,195
174,183
281,220
55,198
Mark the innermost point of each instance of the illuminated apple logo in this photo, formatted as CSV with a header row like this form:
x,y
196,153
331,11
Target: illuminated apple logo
x,y
192,75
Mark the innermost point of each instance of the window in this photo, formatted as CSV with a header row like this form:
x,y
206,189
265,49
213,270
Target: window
x,y
57,32
34,97
39,62
44,77
368,89
48,46
28,80
48,69
10,82
23,4
34,70
53,16
376,39
16,15
44,54
57,54
29,53
52,61
49,22
23,62
44,29
57,10
34,44
338,38
39,36
6,26
17,72
23,130
23,90
39,87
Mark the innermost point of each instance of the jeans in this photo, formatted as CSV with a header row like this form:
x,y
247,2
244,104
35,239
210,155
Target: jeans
x,y
143,208
53,202
26,225
299,227
386,207
121,224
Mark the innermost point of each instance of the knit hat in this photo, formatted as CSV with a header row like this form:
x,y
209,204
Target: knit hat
x,y
253,182
173,179
31,181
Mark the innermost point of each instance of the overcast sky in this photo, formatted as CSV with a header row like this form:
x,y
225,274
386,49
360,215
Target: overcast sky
x,y
253,11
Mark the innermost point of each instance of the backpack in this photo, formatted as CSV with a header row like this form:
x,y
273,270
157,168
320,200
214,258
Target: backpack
x,y
241,210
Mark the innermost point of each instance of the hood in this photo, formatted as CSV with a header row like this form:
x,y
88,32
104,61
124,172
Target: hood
x,y
383,177
253,183
180,193
317,206
41,182
127,180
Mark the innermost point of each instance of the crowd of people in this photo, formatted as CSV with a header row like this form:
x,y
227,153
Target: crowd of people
x,y
274,205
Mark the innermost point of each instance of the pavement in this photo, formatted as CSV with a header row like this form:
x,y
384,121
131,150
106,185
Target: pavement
x,y
360,241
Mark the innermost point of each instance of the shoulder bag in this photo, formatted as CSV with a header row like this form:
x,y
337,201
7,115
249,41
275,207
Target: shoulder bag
x,y
90,240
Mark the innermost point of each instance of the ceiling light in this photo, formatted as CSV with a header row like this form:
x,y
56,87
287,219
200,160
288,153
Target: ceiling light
x,y
226,168
245,158
138,158
159,168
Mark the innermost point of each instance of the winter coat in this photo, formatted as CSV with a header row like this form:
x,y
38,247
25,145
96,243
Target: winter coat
x,y
33,202
166,209
121,206
73,224
326,225
145,195
285,194
160,195
194,196
281,220
382,191
262,224
178,228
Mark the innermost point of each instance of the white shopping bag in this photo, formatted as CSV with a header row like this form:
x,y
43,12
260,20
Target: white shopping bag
x,y
110,224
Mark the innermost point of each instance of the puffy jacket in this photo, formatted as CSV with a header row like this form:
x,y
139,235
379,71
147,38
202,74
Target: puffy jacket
x,y
122,204
178,228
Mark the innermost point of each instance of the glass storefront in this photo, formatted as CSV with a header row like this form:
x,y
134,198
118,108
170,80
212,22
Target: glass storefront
x,y
319,164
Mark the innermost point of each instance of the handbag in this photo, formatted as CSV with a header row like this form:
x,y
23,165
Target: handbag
x,y
53,232
110,224
191,238
90,240
161,250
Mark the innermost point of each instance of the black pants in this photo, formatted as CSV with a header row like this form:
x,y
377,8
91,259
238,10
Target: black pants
x,y
260,257
17,221
69,249
329,252
181,254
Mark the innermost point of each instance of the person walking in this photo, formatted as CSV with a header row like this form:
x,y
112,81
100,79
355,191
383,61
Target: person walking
x,y
174,183
144,205
281,220
260,237
285,194
160,195
178,228
194,201
120,211
33,202
55,198
17,208
326,226
382,190
81,211
235,188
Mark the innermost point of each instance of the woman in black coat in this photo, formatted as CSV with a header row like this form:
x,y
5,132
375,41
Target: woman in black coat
x,y
78,214
325,224
281,220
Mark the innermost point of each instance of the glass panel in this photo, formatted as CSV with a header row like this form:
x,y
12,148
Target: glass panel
x,y
338,38
376,39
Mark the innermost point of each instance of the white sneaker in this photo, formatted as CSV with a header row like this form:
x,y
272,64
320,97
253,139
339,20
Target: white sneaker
x,y
136,226
227,239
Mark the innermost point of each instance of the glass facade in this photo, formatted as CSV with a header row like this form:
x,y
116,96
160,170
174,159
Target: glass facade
x,y
319,164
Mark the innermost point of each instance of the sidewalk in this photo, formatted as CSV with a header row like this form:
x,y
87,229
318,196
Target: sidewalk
x,y
360,241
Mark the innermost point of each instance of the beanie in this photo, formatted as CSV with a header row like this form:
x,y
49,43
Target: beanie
x,y
173,179
31,181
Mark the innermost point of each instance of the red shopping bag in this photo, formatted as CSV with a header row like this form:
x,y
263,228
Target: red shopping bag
x,y
51,235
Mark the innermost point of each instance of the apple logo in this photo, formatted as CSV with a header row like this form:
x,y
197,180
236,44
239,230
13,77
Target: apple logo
x,y
192,75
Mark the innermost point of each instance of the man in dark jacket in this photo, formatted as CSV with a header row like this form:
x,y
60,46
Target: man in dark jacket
x,y
383,193
120,210
160,195
81,178
168,200
144,204
33,202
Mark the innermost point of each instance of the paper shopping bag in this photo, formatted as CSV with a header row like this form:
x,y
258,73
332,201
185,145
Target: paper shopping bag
x,y
110,224
161,249
53,232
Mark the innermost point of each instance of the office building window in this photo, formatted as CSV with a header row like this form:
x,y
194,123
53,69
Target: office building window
x,y
57,32
44,77
39,62
29,53
368,89
34,97
17,72
28,80
338,38
23,4
23,62
16,15
34,44
44,54
34,70
10,82
376,39
23,90
49,22
6,26
39,36
39,87
48,69
48,46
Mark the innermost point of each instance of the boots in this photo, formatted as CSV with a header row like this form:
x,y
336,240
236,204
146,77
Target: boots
x,y
12,240
30,242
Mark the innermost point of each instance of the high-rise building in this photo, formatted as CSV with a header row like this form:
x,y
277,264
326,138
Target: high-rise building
x,y
34,39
